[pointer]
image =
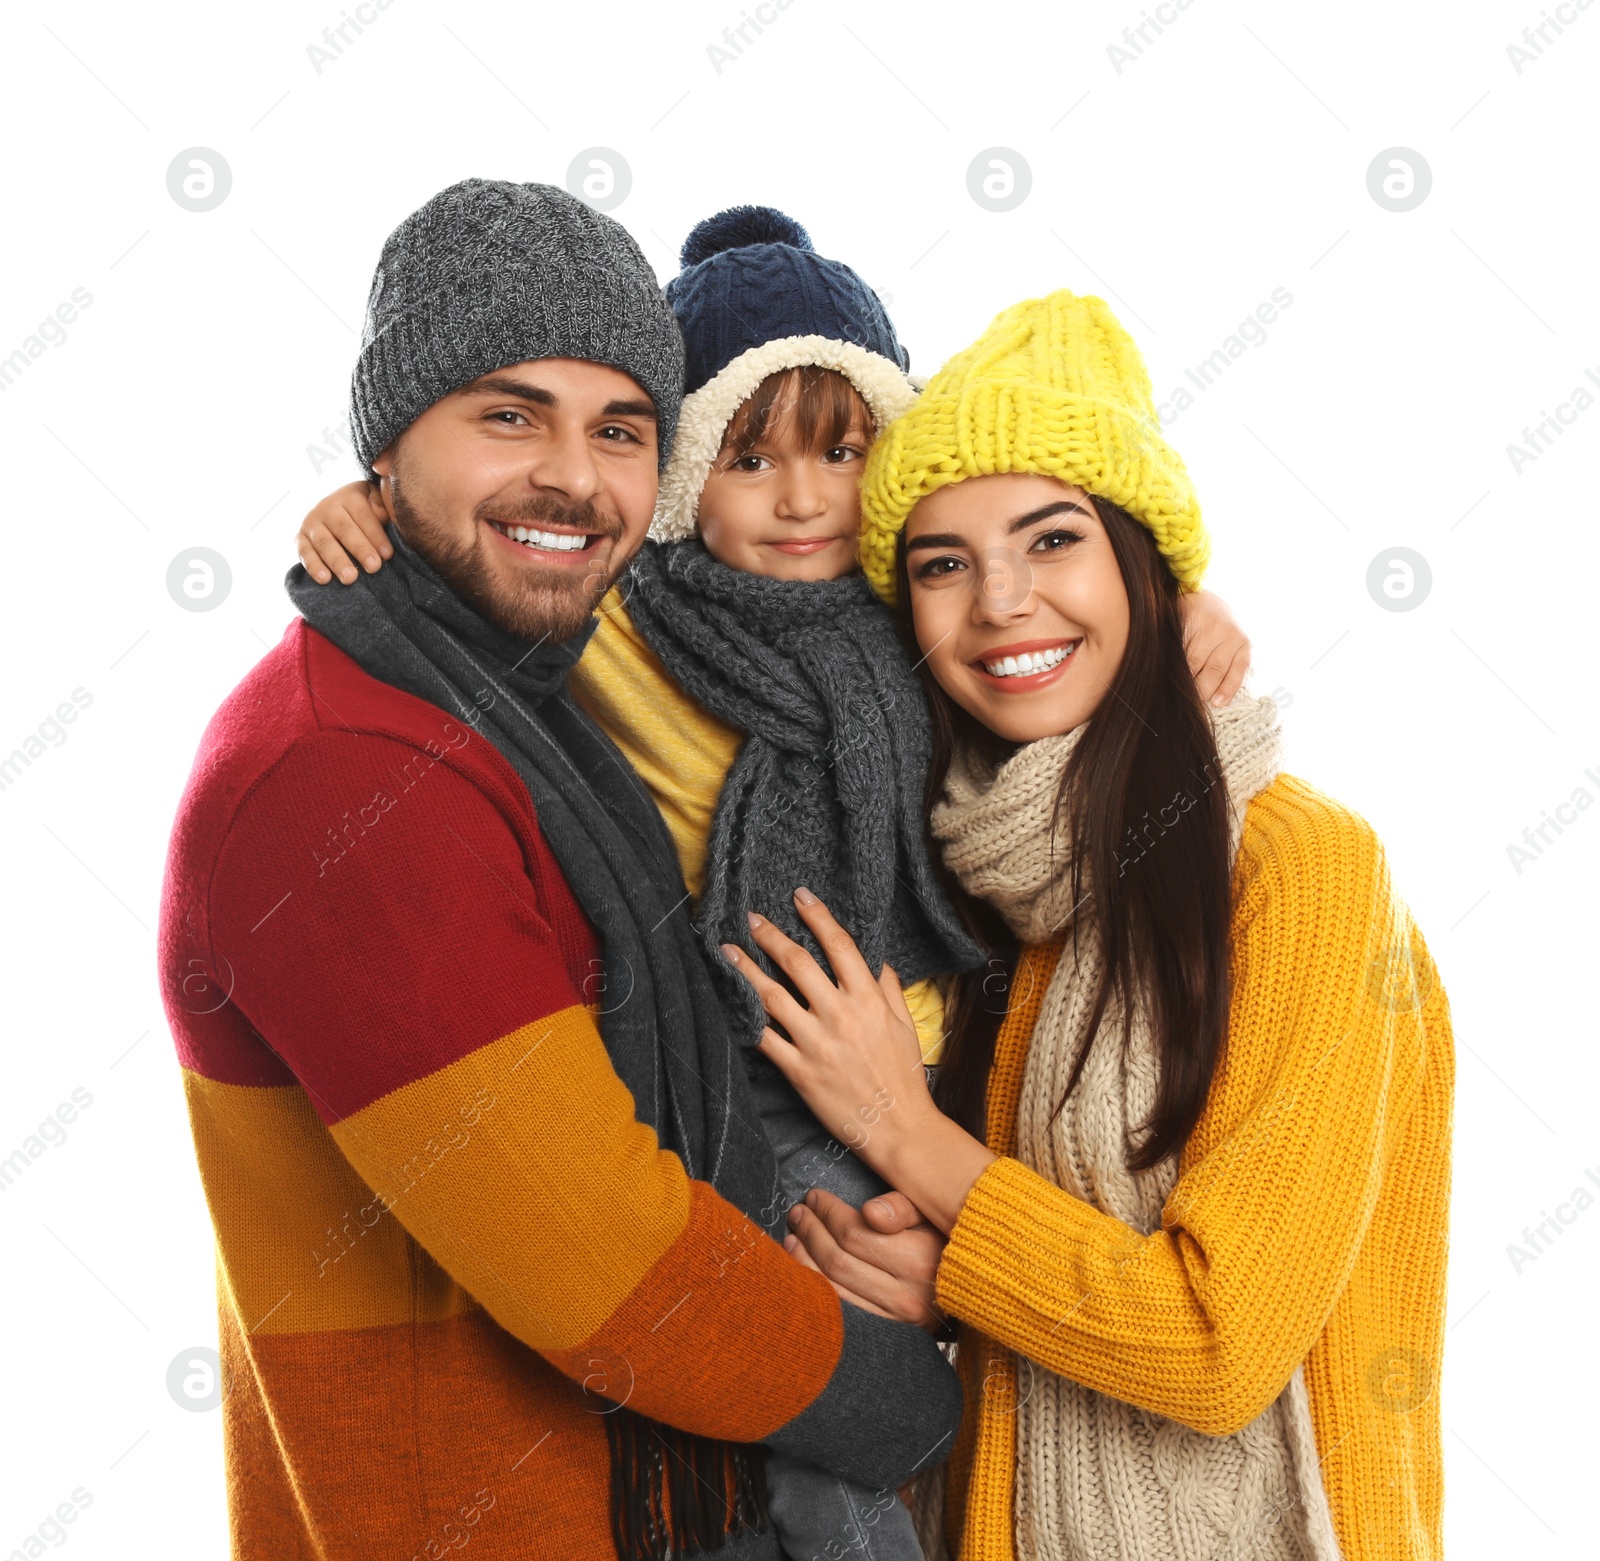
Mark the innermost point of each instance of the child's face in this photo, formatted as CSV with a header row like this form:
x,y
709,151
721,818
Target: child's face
x,y
774,509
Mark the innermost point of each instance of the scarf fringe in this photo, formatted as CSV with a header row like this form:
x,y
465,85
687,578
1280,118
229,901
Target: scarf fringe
x,y
677,1494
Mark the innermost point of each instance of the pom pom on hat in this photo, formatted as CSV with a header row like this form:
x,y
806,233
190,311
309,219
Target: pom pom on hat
x,y
739,227
754,299
751,276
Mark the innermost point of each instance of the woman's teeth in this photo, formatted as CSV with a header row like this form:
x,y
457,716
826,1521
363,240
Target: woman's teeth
x,y
1028,663
556,541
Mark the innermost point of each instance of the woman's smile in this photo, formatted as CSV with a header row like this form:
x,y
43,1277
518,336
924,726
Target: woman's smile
x,y
1026,666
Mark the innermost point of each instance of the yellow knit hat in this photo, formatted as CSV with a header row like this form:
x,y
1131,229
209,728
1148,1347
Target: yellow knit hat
x,y
1054,386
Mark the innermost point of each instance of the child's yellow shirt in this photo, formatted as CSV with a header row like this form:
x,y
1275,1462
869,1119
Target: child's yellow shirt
x,y
683,753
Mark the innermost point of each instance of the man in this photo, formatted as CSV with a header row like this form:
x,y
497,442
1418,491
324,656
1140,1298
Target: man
x,y
490,1197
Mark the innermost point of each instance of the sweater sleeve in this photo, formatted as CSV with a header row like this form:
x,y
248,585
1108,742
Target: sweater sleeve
x,y
400,959
1205,1319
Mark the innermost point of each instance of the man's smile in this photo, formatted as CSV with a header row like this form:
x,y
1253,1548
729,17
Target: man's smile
x,y
553,546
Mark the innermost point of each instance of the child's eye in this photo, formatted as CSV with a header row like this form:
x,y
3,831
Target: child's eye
x,y
841,453
940,568
1055,541
749,463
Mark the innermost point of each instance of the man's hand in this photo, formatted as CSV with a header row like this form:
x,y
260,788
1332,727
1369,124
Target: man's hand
x,y
884,1262
892,1211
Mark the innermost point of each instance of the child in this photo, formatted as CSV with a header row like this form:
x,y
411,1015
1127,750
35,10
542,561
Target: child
x,y
748,673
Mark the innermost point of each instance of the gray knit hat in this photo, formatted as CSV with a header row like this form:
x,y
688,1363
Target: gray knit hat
x,y
490,273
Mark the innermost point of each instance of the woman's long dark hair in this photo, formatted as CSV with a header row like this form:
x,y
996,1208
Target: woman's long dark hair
x,y
1144,806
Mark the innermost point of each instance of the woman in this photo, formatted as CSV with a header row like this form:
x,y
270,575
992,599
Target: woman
x,y
1188,1207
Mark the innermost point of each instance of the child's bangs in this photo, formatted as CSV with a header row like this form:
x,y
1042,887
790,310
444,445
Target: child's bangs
x,y
819,408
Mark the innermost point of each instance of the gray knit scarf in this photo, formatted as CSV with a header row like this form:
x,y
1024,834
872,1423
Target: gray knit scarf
x,y
827,791
669,1041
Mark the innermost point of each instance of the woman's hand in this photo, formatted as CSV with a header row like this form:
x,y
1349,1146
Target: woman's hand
x,y
1217,648
883,1260
346,525
853,1054
854,1057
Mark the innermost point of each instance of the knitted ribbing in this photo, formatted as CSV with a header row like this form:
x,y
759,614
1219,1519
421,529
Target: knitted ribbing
x,y
1096,1476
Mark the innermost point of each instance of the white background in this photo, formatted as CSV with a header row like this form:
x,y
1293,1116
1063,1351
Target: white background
x,y
1228,159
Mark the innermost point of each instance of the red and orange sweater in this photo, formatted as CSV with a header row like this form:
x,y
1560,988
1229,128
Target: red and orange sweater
x,y
445,1244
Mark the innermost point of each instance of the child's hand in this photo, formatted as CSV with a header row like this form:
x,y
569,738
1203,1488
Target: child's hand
x,y
1218,649
346,525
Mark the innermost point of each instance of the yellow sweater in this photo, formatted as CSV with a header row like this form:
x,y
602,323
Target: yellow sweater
x,y
1308,1223
683,753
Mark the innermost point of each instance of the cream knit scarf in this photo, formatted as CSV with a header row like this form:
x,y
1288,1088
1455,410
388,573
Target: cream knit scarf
x,y
1098,1478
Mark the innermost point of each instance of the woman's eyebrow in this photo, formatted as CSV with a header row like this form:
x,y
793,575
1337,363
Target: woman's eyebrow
x,y
1021,523
1033,517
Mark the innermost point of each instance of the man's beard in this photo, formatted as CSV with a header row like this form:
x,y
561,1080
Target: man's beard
x,y
533,604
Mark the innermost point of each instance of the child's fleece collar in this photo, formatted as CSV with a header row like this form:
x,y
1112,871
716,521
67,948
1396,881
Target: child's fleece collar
x,y
884,386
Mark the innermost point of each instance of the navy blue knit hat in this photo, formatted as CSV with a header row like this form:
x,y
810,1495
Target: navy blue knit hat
x,y
755,298
750,276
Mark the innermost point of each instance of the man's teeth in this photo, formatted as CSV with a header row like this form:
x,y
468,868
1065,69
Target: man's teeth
x,y
1024,665
556,541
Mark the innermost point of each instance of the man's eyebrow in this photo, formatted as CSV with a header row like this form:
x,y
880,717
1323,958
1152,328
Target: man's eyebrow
x,y
505,385
524,390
